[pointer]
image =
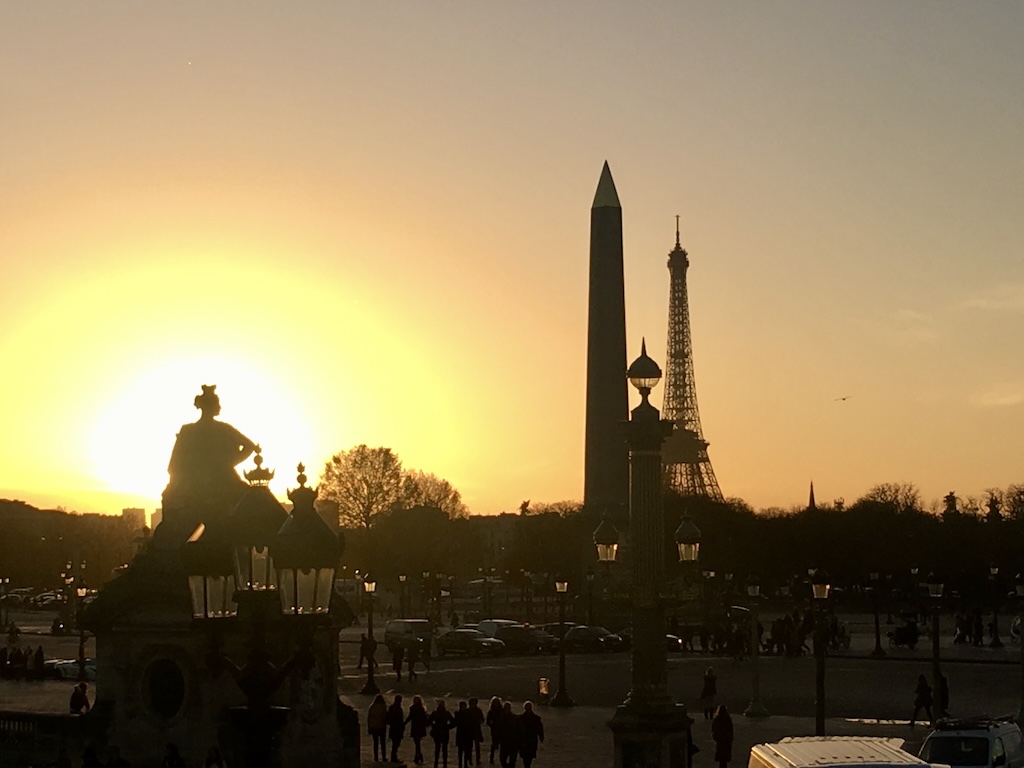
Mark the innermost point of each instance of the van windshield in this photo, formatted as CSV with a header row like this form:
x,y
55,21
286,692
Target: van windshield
x,y
956,750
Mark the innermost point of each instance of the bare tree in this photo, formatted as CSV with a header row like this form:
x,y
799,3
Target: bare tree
x,y
899,498
365,482
423,489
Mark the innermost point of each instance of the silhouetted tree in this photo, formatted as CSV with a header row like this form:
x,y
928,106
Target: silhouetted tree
x,y
429,490
365,483
900,498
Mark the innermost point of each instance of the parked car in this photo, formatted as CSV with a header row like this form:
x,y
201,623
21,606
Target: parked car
x,y
556,628
68,669
407,631
975,743
471,642
673,643
490,626
519,638
592,640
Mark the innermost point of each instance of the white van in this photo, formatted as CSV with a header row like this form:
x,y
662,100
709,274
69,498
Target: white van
x,y
833,752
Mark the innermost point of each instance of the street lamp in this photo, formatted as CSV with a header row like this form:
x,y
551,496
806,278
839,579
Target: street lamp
x,y
935,587
369,587
562,698
820,588
80,593
649,728
1020,641
401,594
590,596
879,652
5,612
756,707
993,573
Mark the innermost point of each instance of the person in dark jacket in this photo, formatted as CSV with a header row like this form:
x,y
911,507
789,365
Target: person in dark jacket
x,y
396,726
721,732
476,716
922,699
493,722
509,726
531,734
440,722
377,726
417,721
943,709
464,735
397,659
708,692
79,703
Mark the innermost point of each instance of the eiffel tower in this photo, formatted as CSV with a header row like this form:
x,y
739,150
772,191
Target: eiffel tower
x,y
687,466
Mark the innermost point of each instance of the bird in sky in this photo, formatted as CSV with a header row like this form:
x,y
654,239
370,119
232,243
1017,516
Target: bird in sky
x,y
844,397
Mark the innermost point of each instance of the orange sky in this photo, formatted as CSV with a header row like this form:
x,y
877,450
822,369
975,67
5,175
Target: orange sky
x,y
369,223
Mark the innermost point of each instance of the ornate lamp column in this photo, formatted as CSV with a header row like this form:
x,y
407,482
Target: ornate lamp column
x,y
935,587
820,587
993,574
649,727
879,652
369,587
401,594
590,596
1020,641
756,707
562,697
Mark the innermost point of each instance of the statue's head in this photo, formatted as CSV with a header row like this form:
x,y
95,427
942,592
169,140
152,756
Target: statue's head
x,y
208,402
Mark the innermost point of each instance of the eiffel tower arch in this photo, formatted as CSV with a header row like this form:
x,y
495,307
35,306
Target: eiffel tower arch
x,y
688,469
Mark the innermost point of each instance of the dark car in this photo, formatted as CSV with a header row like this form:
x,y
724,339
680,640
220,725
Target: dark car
x,y
673,643
522,639
471,642
405,632
592,640
557,628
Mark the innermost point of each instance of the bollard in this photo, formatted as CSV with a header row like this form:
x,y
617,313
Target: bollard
x,y
543,694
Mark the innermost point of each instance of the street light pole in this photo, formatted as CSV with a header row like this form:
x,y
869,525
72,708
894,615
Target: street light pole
x,y
935,587
1020,641
993,573
756,707
562,698
369,587
879,652
401,595
590,596
820,588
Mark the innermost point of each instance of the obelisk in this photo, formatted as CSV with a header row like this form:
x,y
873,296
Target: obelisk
x,y
606,460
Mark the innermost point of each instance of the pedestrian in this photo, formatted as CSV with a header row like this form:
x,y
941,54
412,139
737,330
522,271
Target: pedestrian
x,y
213,758
397,658
376,726
721,732
362,650
426,643
172,758
708,692
943,708
493,722
922,699
464,735
414,656
508,752
476,716
40,662
79,703
440,722
396,726
531,734
417,721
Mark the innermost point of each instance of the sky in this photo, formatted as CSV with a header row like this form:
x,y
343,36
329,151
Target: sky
x,y
369,223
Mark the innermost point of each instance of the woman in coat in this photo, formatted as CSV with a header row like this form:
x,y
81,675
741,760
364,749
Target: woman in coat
x,y
531,734
708,692
440,722
493,723
922,699
417,721
376,726
721,732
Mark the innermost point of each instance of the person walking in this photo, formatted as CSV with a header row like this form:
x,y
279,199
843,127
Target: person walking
x,y
376,726
79,702
440,722
708,692
722,733
508,752
417,721
414,656
476,716
943,708
464,735
922,699
531,734
397,658
493,722
396,726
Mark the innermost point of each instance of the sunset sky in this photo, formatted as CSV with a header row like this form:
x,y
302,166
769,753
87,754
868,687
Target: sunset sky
x,y
367,222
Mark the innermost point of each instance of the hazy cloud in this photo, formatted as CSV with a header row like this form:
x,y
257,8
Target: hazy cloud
x,y
999,396
908,327
1006,297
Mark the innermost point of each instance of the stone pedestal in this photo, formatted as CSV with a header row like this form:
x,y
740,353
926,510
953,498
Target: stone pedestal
x,y
656,736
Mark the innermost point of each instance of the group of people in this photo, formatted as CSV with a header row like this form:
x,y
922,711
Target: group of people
x,y
17,663
924,700
513,736
403,655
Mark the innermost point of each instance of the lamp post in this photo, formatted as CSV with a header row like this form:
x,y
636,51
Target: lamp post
x,y
4,610
80,592
649,728
993,573
590,596
401,594
369,587
561,698
935,587
756,707
879,652
820,587
1020,641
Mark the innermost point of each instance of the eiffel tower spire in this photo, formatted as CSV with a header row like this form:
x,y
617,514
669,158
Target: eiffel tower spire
x,y
687,466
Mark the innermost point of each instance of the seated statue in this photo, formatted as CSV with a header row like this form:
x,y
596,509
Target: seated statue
x,y
203,482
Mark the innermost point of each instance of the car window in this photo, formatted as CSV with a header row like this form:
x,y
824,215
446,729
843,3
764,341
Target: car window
x,y
956,750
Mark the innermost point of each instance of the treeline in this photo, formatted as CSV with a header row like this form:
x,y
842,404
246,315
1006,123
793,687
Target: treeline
x,y
37,545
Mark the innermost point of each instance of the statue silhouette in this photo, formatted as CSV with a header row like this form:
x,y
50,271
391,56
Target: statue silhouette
x,y
203,484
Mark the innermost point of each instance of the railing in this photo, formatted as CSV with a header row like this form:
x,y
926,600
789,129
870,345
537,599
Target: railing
x,y
36,739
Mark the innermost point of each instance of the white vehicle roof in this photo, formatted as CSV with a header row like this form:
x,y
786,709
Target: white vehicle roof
x,y
825,751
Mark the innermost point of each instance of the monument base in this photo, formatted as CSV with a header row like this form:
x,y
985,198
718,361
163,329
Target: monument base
x,y
653,736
